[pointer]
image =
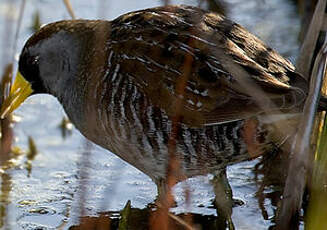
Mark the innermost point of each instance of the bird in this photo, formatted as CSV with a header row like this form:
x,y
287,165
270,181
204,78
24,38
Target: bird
x,y
167,77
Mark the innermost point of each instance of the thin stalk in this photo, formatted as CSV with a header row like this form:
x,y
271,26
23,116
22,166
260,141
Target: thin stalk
x,y
317,211
304,60
69,9
19,23
301,151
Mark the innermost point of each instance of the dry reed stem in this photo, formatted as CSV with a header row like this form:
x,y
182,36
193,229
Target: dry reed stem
x,y
87,148
89,223
6,130
250,87
6,186
19,23
159,219
300,163
83,176
98,60
166,2
316,214
306,9
7,35
257,94
5,154
186,224
188,219
69,8
304,61
7,77
201,2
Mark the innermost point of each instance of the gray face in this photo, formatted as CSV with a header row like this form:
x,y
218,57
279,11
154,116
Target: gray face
x,y
50,61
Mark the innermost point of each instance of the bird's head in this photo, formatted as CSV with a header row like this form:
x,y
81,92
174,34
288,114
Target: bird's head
x,y
49,61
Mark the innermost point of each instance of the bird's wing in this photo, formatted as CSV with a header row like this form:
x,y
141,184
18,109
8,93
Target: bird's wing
x,y
203,67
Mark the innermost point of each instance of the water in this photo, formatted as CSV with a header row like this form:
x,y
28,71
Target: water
x,y
43,192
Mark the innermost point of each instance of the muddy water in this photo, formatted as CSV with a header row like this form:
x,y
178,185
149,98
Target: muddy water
x,y
42,191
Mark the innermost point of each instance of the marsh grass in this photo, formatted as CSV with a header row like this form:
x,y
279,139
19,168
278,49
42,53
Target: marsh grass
x,y
69,8
9,41
65,127
317,210
300,168
36,21
85,160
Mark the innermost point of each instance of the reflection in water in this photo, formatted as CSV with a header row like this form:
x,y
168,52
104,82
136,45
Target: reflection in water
x,y
268,178
4,198
83,175
65,127
270,175
31,153
137,219
6,180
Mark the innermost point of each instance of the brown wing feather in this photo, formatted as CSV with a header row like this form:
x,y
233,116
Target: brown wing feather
x,y
218,62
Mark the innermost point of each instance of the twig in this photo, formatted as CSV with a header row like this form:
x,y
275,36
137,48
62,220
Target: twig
x,y
166,2
69,8
304,60
297,174
84,176
181,221
159,220
6,129
19,23
178,219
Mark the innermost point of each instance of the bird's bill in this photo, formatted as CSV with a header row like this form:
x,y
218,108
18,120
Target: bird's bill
x,y
19,91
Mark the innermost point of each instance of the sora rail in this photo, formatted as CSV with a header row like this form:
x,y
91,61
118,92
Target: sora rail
x,y
125,84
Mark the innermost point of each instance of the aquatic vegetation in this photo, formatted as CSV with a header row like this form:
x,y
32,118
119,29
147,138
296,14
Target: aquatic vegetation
x,y
36,22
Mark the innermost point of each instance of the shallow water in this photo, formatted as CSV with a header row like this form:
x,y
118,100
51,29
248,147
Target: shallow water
x,y
43,192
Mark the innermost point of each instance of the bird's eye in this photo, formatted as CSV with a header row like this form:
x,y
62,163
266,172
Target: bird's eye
x,y
34,61
29,67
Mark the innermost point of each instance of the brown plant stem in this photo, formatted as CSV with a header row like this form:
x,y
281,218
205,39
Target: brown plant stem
x,y
300,164
160,219
70,9
303,63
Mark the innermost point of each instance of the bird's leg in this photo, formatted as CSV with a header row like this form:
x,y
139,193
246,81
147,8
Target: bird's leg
x,y
223,199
